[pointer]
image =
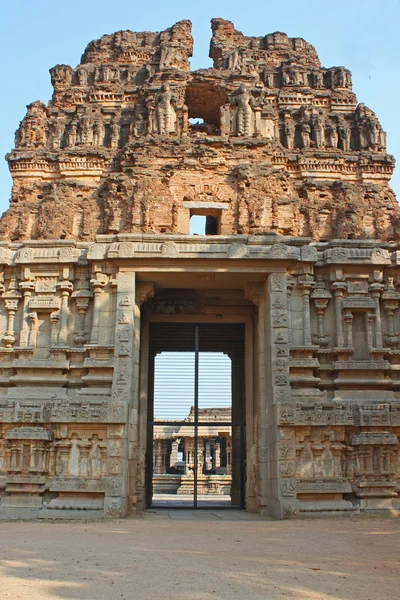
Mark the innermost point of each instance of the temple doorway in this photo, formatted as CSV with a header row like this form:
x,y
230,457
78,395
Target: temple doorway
x,y
196,416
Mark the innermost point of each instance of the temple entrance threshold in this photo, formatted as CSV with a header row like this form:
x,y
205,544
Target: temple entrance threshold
x,y
196,426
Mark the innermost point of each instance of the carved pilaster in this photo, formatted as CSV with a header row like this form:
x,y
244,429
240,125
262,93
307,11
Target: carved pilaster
x,y
348,320
98,282
290,282
376,289
390,300
9,337
338,288
27,288
54,321
320,297
65,288
306,284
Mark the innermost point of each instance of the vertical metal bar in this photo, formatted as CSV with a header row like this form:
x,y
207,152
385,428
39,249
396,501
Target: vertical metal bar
x,y
242,467
196,410
149,465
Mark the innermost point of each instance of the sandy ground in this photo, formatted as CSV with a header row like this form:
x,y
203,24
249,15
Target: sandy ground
x,y
216,557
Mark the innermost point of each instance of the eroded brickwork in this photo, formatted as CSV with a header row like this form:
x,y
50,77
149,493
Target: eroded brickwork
x,y
280,142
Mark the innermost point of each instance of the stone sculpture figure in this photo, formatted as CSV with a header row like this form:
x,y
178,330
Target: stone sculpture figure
x,y
32,131
317,124
72,134
95,458
57,133
164,110
114,134
244,111
289,132
306,135
98,132
82,77
344,134
318,79
331,135
86,130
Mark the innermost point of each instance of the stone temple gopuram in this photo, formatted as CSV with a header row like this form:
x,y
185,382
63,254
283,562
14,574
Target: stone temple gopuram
x,y
296,278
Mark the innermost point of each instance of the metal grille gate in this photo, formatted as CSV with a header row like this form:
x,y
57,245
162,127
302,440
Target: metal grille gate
x,y
196,428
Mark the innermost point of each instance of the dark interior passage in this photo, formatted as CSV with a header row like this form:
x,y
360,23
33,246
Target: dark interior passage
x,y
195,452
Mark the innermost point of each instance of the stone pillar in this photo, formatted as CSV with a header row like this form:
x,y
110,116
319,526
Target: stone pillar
x,y
27,288
98,282
376,289
338,288
120,447
65,288
281,483
306,284
321,297
32,318
290,285
158,458
348,319
9,336
54,321
138,410
217,455
390,304
370,318
256,456
82,305
174,453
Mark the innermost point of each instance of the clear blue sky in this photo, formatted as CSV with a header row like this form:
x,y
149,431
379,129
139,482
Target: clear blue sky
x,y
359,34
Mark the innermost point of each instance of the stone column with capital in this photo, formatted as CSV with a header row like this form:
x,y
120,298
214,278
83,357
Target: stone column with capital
x,y
27,287
320,297
65,288
338,288
98,282
82,298
376,290
9,336
306,284
391,298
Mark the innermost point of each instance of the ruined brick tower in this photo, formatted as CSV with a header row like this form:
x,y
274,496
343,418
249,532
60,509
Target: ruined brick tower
x,y
300,247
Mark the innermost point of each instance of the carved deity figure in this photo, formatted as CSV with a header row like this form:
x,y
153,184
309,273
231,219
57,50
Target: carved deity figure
x,y
57,133
32,131
341,77
268,78
234,60
61,76
331,135
317,124
72,134
73,460
82,76
164,110
98,132
95,458
289,132
114,134
318,79
244,111
344,134
306,135
86,130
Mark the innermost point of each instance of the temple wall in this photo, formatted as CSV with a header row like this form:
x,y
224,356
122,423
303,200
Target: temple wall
x,y
326,414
